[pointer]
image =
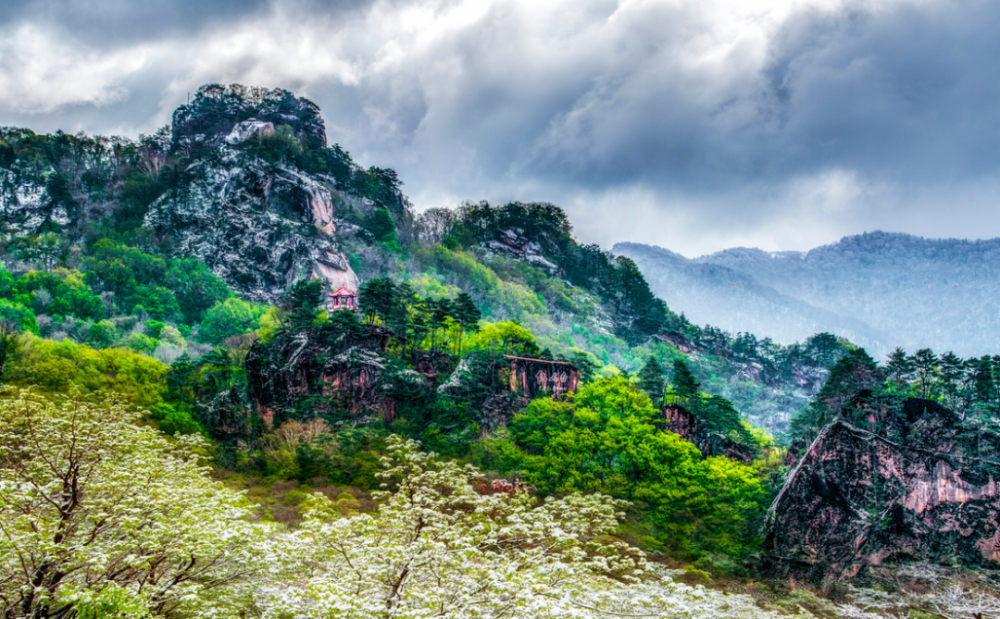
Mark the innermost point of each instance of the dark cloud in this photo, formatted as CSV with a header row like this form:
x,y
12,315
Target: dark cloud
x,y
767,127
104,23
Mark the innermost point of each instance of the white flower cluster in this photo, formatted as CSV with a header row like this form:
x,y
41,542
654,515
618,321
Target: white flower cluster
x,y
438,548
98,512
103,517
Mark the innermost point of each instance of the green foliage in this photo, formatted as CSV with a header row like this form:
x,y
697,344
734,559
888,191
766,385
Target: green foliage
x,y
102,334
852,373
684,384
379,298
637,313
197,289
506,336
57,367
228,318
652,378
21,317
140,343
61,292
301,302
606,440
383,228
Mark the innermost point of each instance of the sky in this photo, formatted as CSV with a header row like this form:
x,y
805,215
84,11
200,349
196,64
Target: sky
x,y
695,125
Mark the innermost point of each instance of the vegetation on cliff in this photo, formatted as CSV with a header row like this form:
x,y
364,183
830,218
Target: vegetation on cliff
x,y
180,282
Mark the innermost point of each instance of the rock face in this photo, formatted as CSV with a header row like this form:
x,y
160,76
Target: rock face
x,y
259,224
514,243
232,187
537,377
894,483
222,113
684,423
307,373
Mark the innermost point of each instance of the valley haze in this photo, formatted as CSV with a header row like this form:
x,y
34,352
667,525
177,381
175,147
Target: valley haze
x,y
880,290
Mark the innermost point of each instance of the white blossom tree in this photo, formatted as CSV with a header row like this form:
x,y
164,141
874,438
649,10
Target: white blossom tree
x,y
440,545
100,516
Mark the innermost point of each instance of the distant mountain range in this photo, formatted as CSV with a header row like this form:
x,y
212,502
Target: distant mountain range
x,y
879,290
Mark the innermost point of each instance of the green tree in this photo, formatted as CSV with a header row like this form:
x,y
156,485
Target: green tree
x,y
197,289
952,371
9,344
984,383
102,334
233,316
683,382
379,298
18,316
606,440
925,365
652,378
441,310
899,367
852,373
383,228
584,362
301,302
466,314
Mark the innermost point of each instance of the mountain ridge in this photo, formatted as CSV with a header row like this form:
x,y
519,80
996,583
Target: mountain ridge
x,y
878,289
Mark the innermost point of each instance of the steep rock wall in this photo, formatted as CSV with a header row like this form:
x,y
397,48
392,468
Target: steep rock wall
x,y
901,489
258,225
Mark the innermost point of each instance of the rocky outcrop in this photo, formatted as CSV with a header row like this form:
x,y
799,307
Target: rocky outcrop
x,y
218,114
513,243
683,422
260,226
892,482
309,373
540,377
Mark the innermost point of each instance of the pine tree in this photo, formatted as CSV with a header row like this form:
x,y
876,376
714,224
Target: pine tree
x,y
440,311
465,313
683,381
301,302
383,228
378,298
585,366
925,363
852,373
899,367
984,385
952,369
651,379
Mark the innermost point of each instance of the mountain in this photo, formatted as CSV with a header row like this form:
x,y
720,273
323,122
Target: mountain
x,y
890,481
242,194
879,290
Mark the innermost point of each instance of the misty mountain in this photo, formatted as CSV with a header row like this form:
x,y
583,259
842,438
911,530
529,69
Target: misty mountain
x,y
879,290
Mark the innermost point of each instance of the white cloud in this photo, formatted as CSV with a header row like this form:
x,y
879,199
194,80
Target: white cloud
x,y
649,120
39,72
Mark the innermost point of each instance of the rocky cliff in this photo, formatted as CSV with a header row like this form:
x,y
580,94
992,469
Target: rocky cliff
x,y
258,221
886,483
327,371
243,179
686,424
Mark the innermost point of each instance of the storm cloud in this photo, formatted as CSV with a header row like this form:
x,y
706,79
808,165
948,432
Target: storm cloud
x,y
689,124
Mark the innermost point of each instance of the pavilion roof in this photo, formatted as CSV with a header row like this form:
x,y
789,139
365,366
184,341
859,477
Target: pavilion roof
x,y
343,291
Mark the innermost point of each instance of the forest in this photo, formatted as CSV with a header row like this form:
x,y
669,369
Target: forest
x,y
175,443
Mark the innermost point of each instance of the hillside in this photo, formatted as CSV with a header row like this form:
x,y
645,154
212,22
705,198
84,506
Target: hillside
x,y
243,196
879,290
447,413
